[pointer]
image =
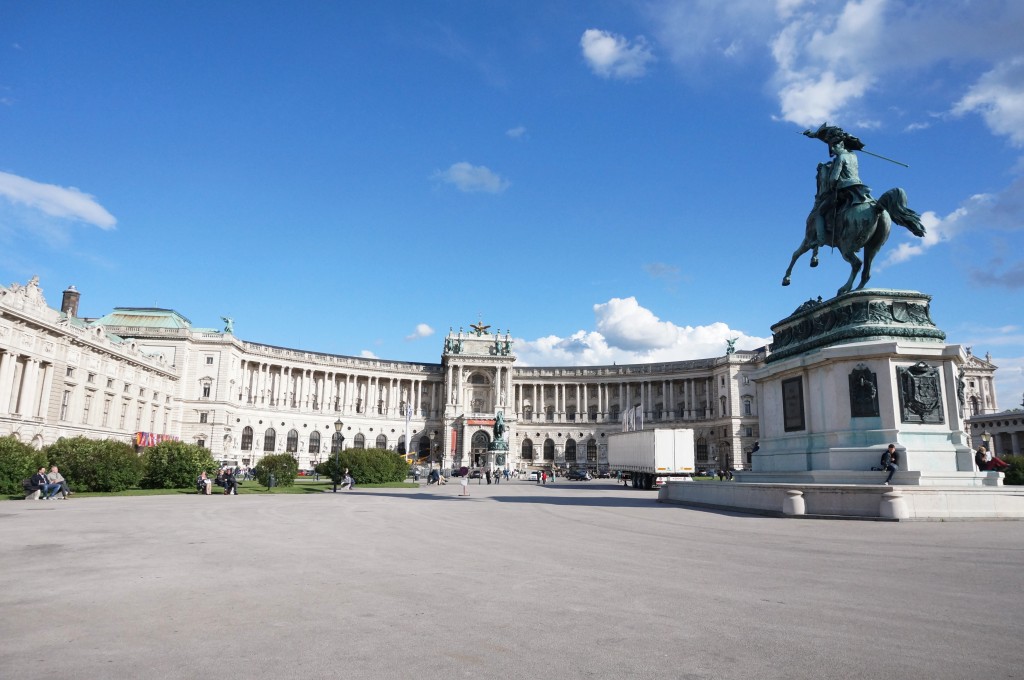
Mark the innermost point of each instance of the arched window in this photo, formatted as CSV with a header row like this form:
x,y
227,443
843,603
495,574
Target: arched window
x,y
247,438
359,442
480,441
721,400
292,446
570,450
336,442
614,412
549,449
401,445
527,450
382,441
701,449
269,439
592,451
314,442
424,447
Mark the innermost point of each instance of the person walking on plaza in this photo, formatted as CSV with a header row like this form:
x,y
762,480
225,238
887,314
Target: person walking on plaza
x,y
891,462
464,481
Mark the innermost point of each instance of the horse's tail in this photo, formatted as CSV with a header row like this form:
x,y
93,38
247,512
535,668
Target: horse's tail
x,y
895,203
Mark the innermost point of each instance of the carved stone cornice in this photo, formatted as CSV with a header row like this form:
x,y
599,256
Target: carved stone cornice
x,y
855,316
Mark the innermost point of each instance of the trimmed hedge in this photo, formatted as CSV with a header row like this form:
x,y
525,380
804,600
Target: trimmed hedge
x,y
17,461
283,466
367,466
95,464
1015,475
175,465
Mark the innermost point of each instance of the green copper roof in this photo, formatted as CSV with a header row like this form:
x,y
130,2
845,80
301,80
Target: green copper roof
x,y
144,317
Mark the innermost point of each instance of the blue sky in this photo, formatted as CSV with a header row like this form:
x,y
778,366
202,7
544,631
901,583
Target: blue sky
x,y
612,181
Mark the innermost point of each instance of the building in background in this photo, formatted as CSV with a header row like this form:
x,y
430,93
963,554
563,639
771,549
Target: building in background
x,y
144,374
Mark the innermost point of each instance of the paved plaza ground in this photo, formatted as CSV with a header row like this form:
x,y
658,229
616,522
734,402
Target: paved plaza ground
x,y
572,580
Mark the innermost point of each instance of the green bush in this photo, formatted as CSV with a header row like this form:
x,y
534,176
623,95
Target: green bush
x,y
283,466
175,465
17,461
1015,475
95,464
367,466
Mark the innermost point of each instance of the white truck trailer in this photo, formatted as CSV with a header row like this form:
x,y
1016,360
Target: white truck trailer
x,y
649,454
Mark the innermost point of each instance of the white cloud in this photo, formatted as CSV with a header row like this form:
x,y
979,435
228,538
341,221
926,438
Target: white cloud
x,y
629,333
367,354
516,132
1001,211
65,203
422,331
472,178
998,96
612,56
829,55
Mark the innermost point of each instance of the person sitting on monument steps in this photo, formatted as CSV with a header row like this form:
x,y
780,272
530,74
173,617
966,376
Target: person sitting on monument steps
x,y
891,462
989,463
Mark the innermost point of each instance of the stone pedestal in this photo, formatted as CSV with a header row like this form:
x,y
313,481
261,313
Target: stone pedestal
x,y
851,375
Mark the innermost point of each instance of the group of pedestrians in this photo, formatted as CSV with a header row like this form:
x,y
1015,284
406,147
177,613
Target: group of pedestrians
x,y
50,485
226,479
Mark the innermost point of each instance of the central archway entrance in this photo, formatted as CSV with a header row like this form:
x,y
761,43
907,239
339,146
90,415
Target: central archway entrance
x,y
478,452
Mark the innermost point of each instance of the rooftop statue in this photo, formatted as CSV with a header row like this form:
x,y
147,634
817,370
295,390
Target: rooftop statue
x,y
229,324
845,215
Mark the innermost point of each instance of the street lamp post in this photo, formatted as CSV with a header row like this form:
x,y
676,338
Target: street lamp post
x,y
987,438
337,452
433,448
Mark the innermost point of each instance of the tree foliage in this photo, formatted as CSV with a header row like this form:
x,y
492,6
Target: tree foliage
x,y
283,466
96,464
1015,475
17,461
175,465
367,466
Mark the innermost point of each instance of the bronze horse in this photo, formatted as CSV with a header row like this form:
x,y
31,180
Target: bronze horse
x,y
861,226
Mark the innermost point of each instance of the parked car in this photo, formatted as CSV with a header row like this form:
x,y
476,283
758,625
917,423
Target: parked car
x,y
532,476
578,475
476,474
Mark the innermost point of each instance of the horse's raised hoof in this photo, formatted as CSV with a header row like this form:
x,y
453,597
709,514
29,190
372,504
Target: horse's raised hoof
x,y
785,281
814,262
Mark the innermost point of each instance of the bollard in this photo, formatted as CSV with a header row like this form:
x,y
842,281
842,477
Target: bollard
x,y
793,504
892,506
271,482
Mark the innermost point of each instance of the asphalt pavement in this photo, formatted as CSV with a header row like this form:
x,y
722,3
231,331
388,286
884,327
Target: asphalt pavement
x,y
570,580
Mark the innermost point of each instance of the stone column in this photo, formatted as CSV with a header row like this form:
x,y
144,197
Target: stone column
x,y
27,393
7,360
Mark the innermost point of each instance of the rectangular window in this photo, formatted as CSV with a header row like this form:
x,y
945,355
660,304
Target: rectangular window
x,y
124,414
750,432
70,372
152,420
201,443
126,388
85,409
106,412
209,361
138,420
203,417
110,383
206,390
142,392
91,378
64,401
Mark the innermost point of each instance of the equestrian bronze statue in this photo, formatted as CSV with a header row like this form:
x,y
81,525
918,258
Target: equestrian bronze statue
x,y
845,215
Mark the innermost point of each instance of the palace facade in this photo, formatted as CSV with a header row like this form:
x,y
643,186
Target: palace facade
x,y
142,375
